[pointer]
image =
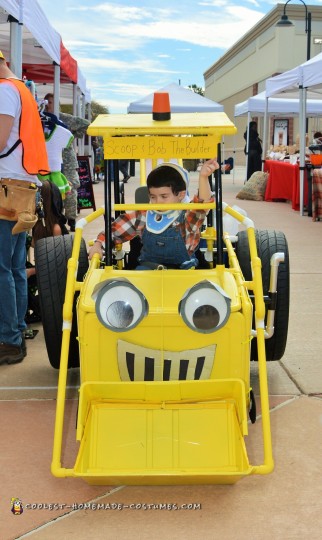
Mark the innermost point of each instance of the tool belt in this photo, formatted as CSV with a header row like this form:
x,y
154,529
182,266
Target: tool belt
x,y
17,201
16,196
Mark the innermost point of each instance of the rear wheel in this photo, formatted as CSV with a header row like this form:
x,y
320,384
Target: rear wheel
x,y
269,243
51,257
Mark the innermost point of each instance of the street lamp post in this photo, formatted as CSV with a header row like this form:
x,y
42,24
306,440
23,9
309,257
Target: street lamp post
x,y
284,21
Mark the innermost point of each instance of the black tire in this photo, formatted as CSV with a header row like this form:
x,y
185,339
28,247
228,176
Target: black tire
x,y
51,257
268,243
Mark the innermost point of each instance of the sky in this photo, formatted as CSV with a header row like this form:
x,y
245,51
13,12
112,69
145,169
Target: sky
x,y
127,49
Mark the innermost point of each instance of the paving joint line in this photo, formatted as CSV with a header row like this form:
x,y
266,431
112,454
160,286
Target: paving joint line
x,y
67,514
292,378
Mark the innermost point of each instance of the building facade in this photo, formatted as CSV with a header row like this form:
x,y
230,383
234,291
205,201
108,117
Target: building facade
x,y
266,50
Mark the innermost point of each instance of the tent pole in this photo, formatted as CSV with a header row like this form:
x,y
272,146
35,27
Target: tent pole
x,y
247,142
16,46
234,153
74,99
56,88
81,140
302,145
265,137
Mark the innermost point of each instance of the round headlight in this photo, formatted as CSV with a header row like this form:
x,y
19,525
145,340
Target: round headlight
x,y
120,306
205,307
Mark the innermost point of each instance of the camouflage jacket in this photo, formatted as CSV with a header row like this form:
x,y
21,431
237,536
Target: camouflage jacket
x,y
75,124
70,166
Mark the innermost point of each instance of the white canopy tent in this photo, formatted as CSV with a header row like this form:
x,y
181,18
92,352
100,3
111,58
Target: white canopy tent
x,y
306,75
181,100
297,81
261,105
285,106
34,49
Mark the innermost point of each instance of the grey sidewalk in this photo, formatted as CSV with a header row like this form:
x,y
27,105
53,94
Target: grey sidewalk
x,y
285,505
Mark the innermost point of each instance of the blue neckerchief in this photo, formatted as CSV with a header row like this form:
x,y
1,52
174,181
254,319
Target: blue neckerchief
x,y
157,222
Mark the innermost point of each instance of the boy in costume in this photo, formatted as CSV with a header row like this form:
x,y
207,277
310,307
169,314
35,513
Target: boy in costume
x,y
169,238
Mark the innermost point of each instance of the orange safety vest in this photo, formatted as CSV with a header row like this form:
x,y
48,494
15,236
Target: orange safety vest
x,y
31,134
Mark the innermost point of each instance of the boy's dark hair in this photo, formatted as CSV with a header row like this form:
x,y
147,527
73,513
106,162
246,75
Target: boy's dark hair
x,y
165,176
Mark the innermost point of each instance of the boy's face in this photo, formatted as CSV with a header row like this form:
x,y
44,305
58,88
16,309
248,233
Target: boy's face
x,y
163,195
50,105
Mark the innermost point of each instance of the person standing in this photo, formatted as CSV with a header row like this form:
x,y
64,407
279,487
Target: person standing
x,y
98,164
77,126
124,169
253,150
22,157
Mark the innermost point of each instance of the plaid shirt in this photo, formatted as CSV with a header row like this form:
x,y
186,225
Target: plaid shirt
x,y
132,224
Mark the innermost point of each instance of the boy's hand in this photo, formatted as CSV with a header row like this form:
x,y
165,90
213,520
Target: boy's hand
x,y
209,167
204,187
95,248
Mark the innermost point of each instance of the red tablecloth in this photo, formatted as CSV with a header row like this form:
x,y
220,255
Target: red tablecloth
x,y
284,183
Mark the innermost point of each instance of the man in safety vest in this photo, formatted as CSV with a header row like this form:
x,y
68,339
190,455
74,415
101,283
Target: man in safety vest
x,y
23,157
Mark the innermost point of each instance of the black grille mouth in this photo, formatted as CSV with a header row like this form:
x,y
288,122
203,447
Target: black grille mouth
x,y
138,363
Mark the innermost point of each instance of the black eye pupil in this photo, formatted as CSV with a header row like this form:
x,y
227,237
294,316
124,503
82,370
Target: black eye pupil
x,y
206,317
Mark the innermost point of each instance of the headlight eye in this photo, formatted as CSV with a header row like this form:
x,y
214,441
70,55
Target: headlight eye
x,y
205,307
206,316
120,314
119,305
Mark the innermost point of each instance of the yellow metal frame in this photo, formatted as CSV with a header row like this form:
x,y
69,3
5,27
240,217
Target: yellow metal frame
x,y
178,432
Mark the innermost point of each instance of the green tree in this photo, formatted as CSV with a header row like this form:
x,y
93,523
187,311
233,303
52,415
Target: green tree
x,y
197,89
96,109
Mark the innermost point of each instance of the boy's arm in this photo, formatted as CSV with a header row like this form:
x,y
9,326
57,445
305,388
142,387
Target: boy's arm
x,y
124,228
97,247
204,187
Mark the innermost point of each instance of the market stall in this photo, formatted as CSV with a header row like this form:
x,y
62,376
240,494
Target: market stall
x,y
298,80
284,183
286,106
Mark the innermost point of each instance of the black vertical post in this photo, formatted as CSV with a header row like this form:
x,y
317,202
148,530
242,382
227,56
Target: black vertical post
x,y
219,220
308,47
116,180
108,178
210,215
132,167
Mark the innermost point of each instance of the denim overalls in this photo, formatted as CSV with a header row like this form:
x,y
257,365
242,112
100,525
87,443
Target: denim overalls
x,y
166,249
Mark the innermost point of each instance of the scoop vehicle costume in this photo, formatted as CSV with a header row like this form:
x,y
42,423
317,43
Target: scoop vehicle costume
x,y
164,355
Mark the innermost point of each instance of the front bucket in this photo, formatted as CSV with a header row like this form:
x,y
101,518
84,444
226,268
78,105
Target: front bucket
x,y
195,435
